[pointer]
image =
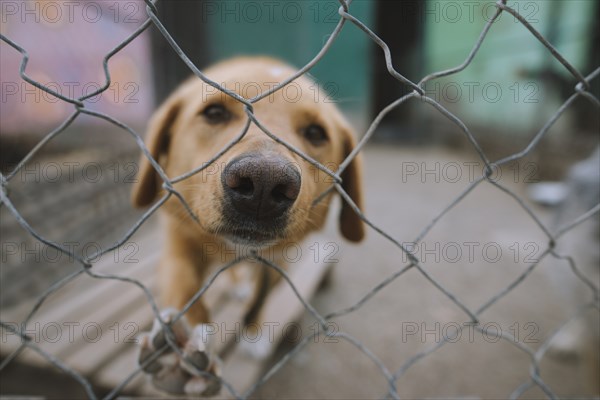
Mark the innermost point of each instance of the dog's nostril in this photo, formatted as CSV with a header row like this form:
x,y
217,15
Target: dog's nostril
x,y
284,192
278,193
245,186
240,184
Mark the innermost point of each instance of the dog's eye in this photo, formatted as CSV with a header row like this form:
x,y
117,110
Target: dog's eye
x,y
216,114
316,134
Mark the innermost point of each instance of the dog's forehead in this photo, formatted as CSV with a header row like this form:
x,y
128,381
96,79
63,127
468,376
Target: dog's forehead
x,y
253,76
260,71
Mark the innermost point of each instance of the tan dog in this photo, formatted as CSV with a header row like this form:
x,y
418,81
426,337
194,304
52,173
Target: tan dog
x,y
259,192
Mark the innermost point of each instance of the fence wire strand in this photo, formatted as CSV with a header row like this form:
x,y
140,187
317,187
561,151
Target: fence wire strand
x,y
533,380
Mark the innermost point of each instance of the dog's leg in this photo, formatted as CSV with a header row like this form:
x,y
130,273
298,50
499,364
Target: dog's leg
x,y
179,282
181,274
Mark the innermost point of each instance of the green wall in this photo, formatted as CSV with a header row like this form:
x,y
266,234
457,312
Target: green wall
x,y
510,59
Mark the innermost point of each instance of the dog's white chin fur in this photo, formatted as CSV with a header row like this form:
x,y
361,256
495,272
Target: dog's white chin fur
x,y
249,242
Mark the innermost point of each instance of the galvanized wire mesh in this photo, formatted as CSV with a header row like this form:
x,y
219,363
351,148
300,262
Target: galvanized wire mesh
x,y
345,16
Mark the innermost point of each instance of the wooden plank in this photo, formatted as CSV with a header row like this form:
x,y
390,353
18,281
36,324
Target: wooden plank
x,y
119,332
113,374
227,310
78,311
108,302
60,323
243,368
86,287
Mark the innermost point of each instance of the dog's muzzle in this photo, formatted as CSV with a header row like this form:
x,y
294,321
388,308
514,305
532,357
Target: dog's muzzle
x,y
259,190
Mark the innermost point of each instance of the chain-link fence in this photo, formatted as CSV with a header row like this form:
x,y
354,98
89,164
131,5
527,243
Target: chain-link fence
x,y
346,17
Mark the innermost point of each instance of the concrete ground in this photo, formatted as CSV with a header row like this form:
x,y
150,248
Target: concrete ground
x,y
475,251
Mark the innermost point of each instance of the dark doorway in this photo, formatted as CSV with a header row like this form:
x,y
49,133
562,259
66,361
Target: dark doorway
x,y
400,25
183,20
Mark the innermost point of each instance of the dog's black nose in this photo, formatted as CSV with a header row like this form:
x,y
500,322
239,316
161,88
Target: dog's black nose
x,y
261,186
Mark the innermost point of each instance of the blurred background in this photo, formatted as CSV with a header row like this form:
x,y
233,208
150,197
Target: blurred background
x,y
76,190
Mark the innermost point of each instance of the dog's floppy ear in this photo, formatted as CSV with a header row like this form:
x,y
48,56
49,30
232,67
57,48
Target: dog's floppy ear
x,y
157,140
351,225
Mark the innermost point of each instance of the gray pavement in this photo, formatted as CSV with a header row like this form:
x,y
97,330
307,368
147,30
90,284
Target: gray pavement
x,y
475,251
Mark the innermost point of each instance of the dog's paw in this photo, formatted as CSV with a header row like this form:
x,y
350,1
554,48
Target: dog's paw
x,y
191,370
